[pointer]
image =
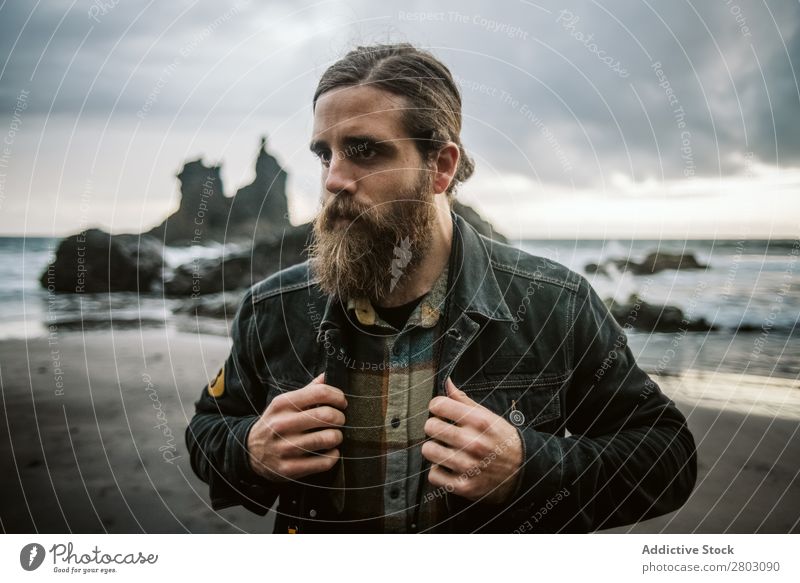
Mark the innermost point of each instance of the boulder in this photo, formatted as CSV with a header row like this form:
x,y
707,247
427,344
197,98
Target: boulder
x,y
639,315
242,269
660,261
653,263
94,261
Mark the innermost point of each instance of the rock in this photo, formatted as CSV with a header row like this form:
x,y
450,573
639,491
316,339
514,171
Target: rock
x,y
653,263
660,261
202,215
209,276
95,261
595,268
242,269
638,314
747,327
260,209
205,215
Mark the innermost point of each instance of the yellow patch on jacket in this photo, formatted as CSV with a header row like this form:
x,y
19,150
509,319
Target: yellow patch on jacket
x,y
217,386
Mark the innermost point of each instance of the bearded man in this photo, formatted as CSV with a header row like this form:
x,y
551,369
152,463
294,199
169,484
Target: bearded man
x,y
414,376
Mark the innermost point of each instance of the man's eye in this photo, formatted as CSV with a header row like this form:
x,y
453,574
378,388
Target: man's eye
x,y
324,157
367,154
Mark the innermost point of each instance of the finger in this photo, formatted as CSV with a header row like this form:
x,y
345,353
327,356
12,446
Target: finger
x,y
313,442
305,466
455,436
441,477
454,460
316,418
310,396
455,393
465,415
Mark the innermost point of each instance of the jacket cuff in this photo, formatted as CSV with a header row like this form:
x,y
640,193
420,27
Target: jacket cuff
x,y
241,485
542,473
237,456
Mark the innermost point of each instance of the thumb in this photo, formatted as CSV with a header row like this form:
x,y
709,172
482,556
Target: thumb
x,y
320,379
455,393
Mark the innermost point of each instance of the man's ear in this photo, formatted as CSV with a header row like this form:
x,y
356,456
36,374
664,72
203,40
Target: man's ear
x,y
445,166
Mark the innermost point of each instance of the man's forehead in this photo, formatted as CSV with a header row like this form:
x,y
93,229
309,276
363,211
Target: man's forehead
x,y
358,110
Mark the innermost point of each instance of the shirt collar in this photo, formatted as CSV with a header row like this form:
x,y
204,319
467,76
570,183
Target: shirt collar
x,y
426,314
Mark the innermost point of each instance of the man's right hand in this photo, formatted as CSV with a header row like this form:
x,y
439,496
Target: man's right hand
x,y
298,433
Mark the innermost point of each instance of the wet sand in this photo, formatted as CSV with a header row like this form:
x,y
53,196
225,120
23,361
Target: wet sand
x,y
96,423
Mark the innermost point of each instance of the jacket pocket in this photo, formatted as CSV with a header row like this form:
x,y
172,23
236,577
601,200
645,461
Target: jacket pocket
x,y
523,400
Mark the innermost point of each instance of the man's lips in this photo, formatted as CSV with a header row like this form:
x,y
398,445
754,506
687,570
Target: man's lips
x,y
343,219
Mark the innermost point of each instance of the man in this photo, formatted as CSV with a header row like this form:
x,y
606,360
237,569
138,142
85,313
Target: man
x,y
413,376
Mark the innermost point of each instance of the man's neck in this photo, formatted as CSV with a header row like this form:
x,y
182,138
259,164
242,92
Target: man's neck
x,y
420,281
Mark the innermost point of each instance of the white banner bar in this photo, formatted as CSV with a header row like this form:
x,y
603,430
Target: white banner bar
x,y
356,558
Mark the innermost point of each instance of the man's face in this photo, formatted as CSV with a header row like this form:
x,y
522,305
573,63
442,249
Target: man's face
x,y
377,197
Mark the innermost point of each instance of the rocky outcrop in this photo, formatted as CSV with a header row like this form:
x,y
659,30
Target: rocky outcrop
x,y
205,215
653,263
94,261
240,270
260,209
202,215
638,314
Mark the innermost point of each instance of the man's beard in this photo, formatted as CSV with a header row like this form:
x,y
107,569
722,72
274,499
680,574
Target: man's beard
x,y
378,247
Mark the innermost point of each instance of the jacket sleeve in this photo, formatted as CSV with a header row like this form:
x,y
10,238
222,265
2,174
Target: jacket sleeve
x,y
228,407
629,456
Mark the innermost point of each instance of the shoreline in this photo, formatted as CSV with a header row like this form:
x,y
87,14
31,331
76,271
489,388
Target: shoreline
x,y
89,456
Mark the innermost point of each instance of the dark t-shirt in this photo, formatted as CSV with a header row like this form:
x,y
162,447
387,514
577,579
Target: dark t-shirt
x,y
397,316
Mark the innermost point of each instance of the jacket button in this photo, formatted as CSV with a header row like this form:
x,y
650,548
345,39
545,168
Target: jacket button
x,y
395,422
454,334
312,513
394,493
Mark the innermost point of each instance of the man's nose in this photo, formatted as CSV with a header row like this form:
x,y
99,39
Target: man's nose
x,y
340,178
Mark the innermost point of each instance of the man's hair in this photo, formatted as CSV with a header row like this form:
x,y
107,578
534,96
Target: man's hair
x,y
434,114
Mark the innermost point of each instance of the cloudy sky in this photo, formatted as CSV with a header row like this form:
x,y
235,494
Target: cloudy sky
x,y
586,119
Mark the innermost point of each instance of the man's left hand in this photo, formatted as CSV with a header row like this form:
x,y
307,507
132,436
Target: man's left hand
x,y
478,457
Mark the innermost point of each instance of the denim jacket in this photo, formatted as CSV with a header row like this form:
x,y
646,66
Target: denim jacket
x,y
526,337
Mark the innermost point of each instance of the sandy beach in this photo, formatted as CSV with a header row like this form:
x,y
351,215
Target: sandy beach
x,y
93,429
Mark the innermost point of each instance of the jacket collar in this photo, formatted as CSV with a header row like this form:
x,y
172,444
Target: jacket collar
x,y
474,288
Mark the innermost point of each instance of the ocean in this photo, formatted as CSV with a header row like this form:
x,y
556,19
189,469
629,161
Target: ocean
x,y
749,290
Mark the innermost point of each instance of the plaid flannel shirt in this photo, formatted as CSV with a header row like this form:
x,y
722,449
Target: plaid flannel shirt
x,y
391,382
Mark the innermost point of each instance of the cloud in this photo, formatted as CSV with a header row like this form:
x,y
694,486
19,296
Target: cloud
x,y
572,97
